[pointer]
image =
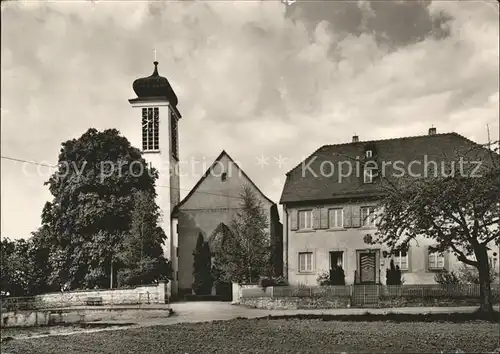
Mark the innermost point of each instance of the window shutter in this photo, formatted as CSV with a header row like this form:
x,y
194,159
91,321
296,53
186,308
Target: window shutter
x,y
294,220
408,252
324,218
356,216
316,218
426,258
446,255
347,216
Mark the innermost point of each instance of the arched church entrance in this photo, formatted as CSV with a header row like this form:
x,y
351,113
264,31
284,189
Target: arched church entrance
x,y
222,289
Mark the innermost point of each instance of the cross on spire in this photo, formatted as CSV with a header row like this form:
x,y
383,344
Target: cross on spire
x,y
154,50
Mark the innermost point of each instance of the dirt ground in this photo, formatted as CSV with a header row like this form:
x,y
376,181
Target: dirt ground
x,y
275,336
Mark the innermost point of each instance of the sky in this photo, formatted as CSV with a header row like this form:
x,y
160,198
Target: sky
x,y
263,80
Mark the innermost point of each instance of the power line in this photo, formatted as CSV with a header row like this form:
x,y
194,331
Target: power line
x,y
25,161
161,186
209,193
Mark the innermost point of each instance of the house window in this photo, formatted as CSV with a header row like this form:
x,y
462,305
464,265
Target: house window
x,y
368,175
436,259
336,218
305,262
150,129
305,219
368,216
368,153
223,177
337,258
401,259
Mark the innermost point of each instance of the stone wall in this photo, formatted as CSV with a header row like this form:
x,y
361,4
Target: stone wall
x,y
147,294
327,297
298,303
71,316
426,302
295,303
25,318
248,290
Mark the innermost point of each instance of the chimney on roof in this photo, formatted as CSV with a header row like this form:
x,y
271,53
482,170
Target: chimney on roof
x,y
432,131
355,139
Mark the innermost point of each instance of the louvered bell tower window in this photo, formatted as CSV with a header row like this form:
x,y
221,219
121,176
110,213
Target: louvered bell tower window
x,y
150,129
175,146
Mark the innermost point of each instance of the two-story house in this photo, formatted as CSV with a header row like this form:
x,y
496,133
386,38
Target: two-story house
x,y
329,210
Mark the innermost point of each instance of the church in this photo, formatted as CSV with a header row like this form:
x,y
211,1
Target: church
x,y
211,205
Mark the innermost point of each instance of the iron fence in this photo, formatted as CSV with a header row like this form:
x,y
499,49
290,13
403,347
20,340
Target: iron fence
x,y
436,290
383,291
297,291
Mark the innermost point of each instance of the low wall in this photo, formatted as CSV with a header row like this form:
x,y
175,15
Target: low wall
x,y
298,303
375,296
253,290
427,302
58,317
147,294
25,318
295,303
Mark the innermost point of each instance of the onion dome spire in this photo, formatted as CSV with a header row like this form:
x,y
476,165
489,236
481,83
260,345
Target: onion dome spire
x,y
155,86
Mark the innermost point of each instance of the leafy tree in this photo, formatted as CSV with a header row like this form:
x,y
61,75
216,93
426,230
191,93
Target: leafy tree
x,y
216,271
39,258
457,207
141,260
393,275
10,280
202,267
24,269
90,214
244,256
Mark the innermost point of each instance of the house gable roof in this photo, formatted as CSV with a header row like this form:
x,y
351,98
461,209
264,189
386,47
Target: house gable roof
x,y
207,173
302,185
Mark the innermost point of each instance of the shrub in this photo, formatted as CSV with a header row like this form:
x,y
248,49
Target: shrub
x,y
335,276
393,275
464,275
445,277
470,275
323,278
202,268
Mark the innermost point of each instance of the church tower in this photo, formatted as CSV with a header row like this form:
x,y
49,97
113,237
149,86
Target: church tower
x,y
158,118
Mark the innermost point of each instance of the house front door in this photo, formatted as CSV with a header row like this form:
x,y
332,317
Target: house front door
x,y
367,269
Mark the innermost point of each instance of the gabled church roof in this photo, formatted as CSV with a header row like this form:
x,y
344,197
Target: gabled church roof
x,y
205,175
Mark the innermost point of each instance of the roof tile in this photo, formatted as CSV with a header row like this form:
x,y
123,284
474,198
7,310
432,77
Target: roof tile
x,y
336,171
